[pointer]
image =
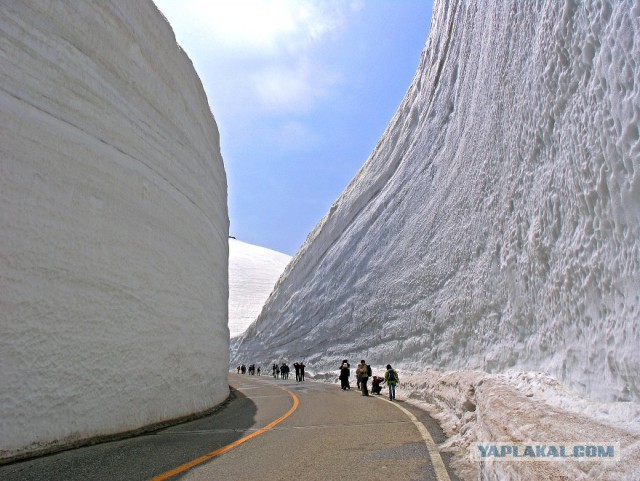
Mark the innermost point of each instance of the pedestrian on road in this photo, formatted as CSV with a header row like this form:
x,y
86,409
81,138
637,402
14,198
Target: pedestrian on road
x,y
302,366
297,368
258,370
391,378
275,367
345,372
376,385
363,371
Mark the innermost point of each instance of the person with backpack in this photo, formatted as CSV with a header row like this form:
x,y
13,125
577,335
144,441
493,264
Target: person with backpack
x,y
363,371
391,378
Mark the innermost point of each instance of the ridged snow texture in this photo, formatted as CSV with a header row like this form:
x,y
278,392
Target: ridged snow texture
x,y
497,223
113,246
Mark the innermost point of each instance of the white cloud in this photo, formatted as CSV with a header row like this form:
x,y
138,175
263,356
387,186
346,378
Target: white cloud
x,y
292,87
357,5
262,51
266,27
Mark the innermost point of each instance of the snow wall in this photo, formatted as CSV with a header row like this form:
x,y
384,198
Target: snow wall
x,y
496,224
253,271
113,207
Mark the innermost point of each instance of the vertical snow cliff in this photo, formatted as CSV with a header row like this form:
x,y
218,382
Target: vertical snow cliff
x,y
496,224
253,271
113,246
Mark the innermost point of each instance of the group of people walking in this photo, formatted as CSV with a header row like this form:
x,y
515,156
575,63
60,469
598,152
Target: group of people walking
x,y
279,371
283,371
251,369
363,373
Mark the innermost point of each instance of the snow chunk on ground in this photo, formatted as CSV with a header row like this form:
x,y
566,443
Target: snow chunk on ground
x,y
473,406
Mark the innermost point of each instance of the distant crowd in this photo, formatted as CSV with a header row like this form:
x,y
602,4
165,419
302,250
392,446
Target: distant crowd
x,y
251,369
278,371
363,373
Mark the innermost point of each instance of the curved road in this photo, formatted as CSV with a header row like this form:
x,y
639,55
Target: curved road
x,y
268,430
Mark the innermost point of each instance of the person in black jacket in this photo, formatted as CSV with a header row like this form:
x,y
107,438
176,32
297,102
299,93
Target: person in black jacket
x,y
344,375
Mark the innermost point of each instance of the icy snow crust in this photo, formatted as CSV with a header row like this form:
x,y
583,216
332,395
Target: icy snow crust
x,y
488,248
473,406
113,247
496,224
253,271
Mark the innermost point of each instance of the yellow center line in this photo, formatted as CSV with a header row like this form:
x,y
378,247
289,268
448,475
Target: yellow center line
x,y
229,447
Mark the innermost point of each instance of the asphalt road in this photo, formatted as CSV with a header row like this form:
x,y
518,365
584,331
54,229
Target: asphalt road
x,y
323,433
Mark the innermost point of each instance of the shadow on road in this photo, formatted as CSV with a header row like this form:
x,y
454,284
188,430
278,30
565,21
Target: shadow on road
x,y
145,456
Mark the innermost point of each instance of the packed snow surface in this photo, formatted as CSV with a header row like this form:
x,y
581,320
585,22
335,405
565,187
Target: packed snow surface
x,y
253,272
496,225
113,246
524,407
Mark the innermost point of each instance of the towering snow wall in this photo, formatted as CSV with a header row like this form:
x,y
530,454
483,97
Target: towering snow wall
x,y
253,271
113,245
496,224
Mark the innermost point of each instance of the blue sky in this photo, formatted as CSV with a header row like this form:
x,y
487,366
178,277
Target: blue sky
x,y
302,91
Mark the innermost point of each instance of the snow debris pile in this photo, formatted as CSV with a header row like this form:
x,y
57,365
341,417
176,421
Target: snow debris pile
x,y
113,265
253,272
495,226
518,407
